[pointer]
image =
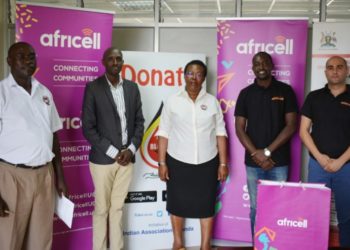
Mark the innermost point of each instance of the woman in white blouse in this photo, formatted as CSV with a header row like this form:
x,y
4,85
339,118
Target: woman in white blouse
x,y
192,154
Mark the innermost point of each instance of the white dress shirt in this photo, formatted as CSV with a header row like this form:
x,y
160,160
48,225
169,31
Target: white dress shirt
x,y
192,127
27,123
118,97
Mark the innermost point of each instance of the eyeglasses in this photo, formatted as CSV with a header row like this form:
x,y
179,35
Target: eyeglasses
x,y
198,75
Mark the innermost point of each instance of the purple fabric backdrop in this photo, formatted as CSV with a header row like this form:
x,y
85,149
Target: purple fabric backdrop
x,y
69,44
238,40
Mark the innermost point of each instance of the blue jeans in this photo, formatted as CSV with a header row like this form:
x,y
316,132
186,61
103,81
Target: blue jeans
x,y
339,182
255,174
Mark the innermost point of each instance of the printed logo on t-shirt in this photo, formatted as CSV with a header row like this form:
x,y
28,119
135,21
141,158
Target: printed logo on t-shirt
x,y
46,100
345,103
277,98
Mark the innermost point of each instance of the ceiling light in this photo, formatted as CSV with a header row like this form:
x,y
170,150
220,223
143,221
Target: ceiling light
x,y
138,20
271,6
134,5
330,2
219,5
168,7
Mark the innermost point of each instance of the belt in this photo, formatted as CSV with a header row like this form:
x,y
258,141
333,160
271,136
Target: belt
x,y
124,147
22,165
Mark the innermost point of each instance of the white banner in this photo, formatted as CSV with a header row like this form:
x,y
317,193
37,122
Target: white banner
x,y
146,221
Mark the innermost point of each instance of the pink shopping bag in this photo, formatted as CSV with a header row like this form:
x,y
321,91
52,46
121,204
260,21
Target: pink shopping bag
x,y
292,216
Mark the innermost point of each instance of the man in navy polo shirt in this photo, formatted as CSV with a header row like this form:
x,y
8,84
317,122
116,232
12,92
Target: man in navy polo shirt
x,y
265,114
325,131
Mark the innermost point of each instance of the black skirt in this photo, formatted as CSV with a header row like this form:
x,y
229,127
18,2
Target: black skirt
x,y
191,189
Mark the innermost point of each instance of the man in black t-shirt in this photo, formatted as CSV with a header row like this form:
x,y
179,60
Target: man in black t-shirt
x,y
325,131
266,113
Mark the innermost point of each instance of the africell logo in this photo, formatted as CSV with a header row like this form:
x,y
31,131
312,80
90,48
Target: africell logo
x,y
71,122
282,46
90,40
300,223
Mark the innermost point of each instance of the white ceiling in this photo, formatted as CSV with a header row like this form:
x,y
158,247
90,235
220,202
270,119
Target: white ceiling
x,y
206,11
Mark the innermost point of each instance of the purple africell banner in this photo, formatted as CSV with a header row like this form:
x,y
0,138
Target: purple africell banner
x,y
69,44
238,40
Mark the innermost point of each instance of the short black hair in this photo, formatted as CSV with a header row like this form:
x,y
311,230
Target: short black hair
x,y
263,54
109,50
197,62
17,44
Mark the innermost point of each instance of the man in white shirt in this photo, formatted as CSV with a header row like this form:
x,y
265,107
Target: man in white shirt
x,y
29,155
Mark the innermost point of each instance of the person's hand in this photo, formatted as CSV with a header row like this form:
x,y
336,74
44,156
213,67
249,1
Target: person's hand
x,y
4,209
259,157
268,164
124,157
163,172
333,165
323,160
222,172
61,187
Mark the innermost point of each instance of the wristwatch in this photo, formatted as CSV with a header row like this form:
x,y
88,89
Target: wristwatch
x,y
161,163
267,152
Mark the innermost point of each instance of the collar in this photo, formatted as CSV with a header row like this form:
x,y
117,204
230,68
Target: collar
x,y
13,83
327,90
273,82
184,93
120,83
